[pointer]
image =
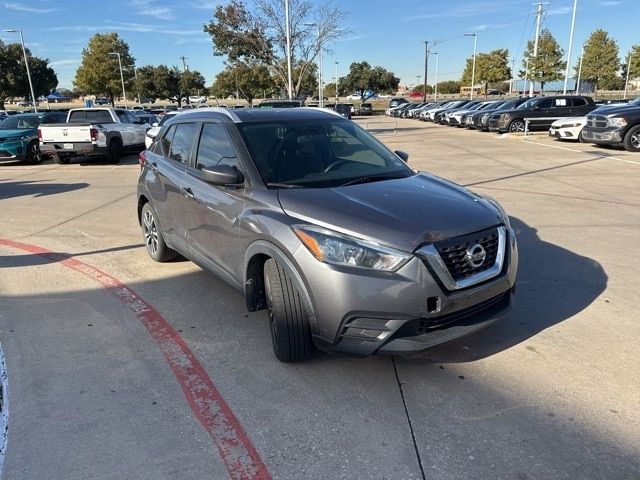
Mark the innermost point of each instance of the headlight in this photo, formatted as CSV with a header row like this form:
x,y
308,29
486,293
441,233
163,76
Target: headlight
x,y
336,249
503,214
616,122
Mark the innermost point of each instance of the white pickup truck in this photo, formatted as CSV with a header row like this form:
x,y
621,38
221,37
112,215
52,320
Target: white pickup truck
x,y
93,132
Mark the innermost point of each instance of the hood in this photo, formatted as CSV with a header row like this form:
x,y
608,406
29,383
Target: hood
x,y
403,213
18,132
613,109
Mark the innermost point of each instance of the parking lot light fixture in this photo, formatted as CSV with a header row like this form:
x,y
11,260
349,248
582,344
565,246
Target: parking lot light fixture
x,y
320,89
626,82
124,94
473,70
337,95
26,63
573,26
435,88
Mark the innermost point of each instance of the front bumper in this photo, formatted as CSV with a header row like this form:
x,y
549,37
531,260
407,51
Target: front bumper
x,y
603,136
406,311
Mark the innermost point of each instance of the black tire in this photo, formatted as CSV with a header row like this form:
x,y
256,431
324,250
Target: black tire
x,y
60,160
632,139
152,234
288,317
581,138
115,151
33,153
516,126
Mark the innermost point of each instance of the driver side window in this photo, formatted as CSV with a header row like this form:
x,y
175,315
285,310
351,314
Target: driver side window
x,y
215,147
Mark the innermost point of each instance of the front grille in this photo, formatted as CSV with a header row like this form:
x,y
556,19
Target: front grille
x,y
453,251
597,121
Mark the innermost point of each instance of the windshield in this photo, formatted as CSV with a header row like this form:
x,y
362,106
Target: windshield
x,y
19,122
319,153
636,102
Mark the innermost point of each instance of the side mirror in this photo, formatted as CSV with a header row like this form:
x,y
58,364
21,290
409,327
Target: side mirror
x,y
222,175
404,156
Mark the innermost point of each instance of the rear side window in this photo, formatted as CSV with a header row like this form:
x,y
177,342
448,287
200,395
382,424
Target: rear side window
x,y
215,145
182,142
546,103
165,141
579,102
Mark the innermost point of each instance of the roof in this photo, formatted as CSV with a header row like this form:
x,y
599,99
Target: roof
x,y
262,114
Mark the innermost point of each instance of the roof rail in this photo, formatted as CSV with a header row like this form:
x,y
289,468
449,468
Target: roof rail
x,y
322,109
224,111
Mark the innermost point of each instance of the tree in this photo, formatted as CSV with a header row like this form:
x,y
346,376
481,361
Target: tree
x,y
167,82
99,72
634,72
491,67
308,81
13,73
330,90
258,34
191,81
249,80
367,81
548,65
601,61
145,83
420,89
449,87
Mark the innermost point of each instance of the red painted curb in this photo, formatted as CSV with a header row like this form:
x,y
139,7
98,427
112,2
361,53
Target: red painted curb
x,y
238,453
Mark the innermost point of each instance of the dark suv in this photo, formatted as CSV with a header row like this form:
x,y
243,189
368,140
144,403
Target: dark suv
x,y
617,125
541,112
316,221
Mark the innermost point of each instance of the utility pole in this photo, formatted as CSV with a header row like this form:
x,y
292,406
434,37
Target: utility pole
x,y
426,66
573,26
288,31
435,88
626,83
473,69
184,63
526,77
535,45
580,72
337,94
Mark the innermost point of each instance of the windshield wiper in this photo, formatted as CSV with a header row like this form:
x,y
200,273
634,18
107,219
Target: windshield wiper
x,y
283,185
370,179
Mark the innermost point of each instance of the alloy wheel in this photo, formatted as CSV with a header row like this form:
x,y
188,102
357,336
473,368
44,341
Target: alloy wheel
x,y
150,232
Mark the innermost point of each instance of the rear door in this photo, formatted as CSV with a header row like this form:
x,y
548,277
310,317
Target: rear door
x,y
212,217
125,128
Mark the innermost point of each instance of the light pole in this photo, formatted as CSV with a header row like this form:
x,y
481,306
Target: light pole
x,y
124,94
418,80
26,63
626,83
473,71
580,72
426,69
435,88
337,94
535,44
512,81
320,89
573,26
526,77
288,30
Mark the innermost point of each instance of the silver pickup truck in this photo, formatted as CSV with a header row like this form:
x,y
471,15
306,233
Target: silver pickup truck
x,y
95,133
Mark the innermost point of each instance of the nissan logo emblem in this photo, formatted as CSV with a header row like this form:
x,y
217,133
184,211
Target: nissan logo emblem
x,y
475,255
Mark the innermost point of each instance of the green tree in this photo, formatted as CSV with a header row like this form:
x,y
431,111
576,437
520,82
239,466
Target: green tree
x,y
368,81
449,87
13,74
634,71
258,34
307,81
145,83
601,62
192,81
249,80
420,89
99,72
492,67
330,90
167,82
548,65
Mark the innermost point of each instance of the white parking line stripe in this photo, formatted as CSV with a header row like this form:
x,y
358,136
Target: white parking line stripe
x,y
580,151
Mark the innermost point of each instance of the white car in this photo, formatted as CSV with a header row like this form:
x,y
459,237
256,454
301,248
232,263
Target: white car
x,y
197,99
353,97
568,128
155,128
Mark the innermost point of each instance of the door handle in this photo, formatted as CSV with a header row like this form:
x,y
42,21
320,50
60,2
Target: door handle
x,y
187,193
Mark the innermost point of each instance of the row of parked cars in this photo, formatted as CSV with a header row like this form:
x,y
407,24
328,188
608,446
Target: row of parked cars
x,y
566,117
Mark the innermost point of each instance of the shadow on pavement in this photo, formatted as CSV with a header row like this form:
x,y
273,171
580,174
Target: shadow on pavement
x,y
30,260
36,188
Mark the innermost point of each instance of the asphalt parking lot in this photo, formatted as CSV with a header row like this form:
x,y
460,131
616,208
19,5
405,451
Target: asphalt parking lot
x,y
119,367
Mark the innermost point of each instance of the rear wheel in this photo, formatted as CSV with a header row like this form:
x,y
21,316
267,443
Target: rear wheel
x,y
632,139
153,239
33,152
516,126
288,317
115,151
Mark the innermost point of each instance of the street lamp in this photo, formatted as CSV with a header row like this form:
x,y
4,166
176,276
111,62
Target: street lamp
x,y
580,72
573,26
26,63
626,83
435,88
337,95
473,71
288,32
124,94
320,89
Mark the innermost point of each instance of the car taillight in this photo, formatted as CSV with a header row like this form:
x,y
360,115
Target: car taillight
x,y
142,158
94,134
39,134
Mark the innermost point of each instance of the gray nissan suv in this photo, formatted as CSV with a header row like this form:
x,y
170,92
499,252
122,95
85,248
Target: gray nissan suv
x,y
314,220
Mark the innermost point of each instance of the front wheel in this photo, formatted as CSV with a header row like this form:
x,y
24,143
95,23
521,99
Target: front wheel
x,y
632,139
516,126
288,317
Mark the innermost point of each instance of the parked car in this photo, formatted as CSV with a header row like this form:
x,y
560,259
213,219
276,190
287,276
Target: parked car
x,y
344,109
614,125
438,115
316,98
481,119
93,132
155,128
102,101
568,128
466,117
197,99
300,208
542,112
454,117
277,103
365,109
398,111
19,138
394,102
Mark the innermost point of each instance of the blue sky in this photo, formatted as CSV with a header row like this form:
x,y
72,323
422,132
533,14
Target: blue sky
x,y
383,33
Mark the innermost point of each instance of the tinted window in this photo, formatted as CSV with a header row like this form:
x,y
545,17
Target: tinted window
x,y
579,102
546,103
215,145
165,143
166,118
182,142
122,116
90,116
20,122
131,118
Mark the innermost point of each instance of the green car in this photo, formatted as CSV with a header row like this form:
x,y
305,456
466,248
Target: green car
x,y
19,138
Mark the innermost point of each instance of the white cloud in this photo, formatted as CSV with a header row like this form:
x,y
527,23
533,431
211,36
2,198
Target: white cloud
x,y
70,61
560,11
161,13
21,8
